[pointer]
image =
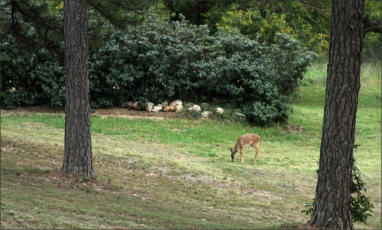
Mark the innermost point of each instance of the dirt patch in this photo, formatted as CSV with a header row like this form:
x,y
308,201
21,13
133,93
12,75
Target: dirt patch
x,y
57,177
121,112
264,193
47,172
32,109
109,112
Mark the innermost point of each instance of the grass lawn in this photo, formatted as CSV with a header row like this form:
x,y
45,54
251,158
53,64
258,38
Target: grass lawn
x,y
176,173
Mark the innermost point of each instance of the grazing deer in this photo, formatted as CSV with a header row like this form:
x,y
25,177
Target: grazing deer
x,y
242,141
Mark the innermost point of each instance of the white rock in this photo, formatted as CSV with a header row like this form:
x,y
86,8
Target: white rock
x,y
178,108
176,102
149,106
219,110
240,115
206,114
195,108
156,109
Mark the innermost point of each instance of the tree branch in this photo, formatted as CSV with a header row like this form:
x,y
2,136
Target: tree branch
x,y
42,25
26,10
111,16
372,26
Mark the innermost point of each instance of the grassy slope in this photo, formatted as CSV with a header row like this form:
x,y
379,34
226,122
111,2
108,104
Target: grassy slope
x,y
176,173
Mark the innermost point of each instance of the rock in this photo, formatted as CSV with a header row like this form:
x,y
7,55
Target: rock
x,y
204,105
240,115
168,109
219,110
195,108
178,108
176,102
165,103
127,104
149,106
206,114
135,105
156,108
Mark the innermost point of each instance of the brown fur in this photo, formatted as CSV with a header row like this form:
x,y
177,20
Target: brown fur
x,y
244,140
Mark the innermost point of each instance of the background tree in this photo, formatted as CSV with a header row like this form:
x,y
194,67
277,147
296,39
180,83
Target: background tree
x,y
78,152
333,200
307,21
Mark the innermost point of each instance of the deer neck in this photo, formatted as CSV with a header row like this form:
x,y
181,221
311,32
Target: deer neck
x,y
237,146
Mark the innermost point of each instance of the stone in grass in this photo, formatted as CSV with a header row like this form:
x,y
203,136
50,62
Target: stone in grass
x,y
240,115
178,108
176,102
195,108
157,108
149,106
206,114
219,110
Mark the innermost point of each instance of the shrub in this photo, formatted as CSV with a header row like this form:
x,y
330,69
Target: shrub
x,y
161,60
166,60
29,78
361,207
154,62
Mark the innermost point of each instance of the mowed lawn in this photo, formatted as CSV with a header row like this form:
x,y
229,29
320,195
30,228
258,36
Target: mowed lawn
x,y
176,173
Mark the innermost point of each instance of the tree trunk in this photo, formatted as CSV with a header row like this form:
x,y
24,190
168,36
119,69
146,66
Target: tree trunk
x,y
78,151
332,202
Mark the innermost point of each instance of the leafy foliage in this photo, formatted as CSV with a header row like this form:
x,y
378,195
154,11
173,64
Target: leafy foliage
x,y
167,60
162,60
372,50
307,21
265,20
361,207
29,78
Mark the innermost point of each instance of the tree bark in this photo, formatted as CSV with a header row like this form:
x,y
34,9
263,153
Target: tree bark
x,y
77,152
332,201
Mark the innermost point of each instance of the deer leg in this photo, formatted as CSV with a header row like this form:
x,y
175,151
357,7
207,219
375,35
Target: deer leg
x,y
257,151
241,155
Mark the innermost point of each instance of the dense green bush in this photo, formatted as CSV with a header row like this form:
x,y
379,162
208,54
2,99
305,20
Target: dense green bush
x,y
29,78
161,60
167,60
153,62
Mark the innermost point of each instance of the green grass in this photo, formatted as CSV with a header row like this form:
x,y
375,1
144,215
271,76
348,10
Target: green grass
x,y
177,173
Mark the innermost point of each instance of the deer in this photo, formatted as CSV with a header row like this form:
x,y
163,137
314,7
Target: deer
x,y
244,140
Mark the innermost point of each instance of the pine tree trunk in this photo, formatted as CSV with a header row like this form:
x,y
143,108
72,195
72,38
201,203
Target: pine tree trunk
x,y
78,151
332,202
